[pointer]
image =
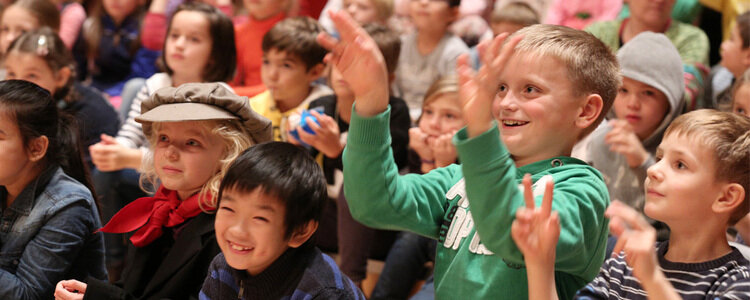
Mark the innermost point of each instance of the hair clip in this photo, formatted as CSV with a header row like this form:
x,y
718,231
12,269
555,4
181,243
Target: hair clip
x,y
42,49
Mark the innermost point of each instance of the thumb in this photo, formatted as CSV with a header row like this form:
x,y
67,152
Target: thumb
x,y
106,139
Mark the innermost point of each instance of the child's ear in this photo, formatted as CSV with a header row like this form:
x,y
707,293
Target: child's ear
x,y
731,197
62,76
589,111
37,148
316,71
301,235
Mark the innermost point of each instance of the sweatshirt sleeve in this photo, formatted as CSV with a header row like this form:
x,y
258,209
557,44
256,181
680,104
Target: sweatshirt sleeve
x,y
492,186
377,195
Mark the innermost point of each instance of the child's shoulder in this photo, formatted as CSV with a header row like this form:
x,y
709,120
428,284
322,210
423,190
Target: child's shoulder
x,y
323,279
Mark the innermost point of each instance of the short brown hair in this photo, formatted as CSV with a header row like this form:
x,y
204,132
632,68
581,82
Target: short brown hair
x,y
444,85
388,42
296,36
743,26
591,66
728,136
515,12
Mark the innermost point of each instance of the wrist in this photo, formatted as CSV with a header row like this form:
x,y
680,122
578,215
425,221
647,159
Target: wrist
x,y
478,127
371,104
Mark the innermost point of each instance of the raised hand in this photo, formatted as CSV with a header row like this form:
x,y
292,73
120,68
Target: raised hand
x,y
327,137
478,89
636,238
536,229
358,59
623,140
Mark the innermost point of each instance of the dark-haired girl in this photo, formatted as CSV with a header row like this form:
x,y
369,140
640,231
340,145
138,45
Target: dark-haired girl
x,y
49,217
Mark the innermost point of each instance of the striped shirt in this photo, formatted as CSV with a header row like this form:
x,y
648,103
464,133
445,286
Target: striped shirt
x,y
727,277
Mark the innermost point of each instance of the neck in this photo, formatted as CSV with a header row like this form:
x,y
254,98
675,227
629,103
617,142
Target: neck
x,y
186,194
693,244
24,178
344,106
633,27
261,18
521,161
178,79
285,105
428,39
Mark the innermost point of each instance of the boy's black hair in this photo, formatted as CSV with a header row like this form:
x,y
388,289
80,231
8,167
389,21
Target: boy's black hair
x,y
283,171
296,36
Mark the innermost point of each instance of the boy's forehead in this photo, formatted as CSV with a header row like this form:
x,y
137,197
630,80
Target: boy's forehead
x,y
281,54
257,196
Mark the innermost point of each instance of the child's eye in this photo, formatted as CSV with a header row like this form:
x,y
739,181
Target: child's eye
x,y
163,138
502,88
680,165
622,91
427,112
530,90
657,158
287,65
649,93
265,61
739,110
193,143
450,116
226,209
195,39
262,219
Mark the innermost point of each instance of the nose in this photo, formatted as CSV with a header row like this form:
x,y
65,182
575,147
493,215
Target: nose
x,y
350,8
632,101
238,229
654,172
172,153
180,42
507,102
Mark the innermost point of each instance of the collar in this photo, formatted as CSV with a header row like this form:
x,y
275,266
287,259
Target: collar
x,y
626,20
27,198
546,164
281,277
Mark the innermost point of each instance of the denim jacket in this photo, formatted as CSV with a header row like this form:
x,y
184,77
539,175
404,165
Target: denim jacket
x,y
48,234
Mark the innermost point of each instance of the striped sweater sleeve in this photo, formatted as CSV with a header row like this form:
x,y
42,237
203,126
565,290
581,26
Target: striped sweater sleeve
x,y
131,134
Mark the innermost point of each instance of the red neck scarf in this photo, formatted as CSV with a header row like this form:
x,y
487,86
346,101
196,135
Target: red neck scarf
x,y
150,214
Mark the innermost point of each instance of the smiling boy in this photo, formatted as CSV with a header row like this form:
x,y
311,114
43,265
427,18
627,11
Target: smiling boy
x,y
549,85
270,202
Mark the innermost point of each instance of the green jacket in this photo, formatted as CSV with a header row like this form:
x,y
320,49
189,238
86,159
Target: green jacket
x,y
436,205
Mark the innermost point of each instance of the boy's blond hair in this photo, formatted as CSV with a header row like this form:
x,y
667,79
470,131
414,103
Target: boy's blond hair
x,y
728,137
236,139
515,12
591,66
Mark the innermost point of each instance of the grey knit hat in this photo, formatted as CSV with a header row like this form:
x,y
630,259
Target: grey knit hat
x,y
203,101
651,58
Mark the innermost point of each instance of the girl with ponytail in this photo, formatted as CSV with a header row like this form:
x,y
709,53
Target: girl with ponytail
x,y
49,217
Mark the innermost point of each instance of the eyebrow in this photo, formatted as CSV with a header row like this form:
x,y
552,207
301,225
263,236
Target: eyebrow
x,y
266,207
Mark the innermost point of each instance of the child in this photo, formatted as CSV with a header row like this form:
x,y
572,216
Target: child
x,y
429,53
698,187
741,95
270,203
26,15
735,56
292,62
441,118
49,215
108,51
41,57
355,242
691,42
262,16
650,97
195,131
551,92
199,48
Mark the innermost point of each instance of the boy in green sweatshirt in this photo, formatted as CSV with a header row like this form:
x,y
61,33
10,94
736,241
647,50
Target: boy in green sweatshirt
x,y
547,86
